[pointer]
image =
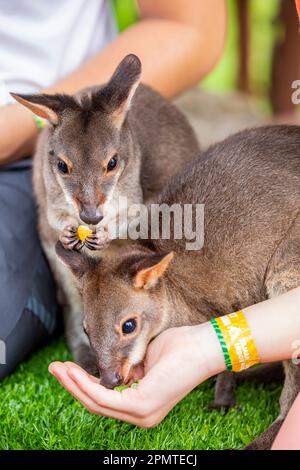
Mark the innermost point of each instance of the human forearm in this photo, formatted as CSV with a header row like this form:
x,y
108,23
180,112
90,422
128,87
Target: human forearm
x,y
169,73
175,56
178,43
288,437
274,325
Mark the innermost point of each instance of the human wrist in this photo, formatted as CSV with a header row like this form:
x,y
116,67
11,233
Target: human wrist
x,y
206,349
280,316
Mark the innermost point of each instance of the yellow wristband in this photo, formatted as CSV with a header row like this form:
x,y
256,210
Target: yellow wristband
x,y
236,341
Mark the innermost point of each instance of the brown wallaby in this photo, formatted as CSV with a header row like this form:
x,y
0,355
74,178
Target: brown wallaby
x,y
250,186
102,143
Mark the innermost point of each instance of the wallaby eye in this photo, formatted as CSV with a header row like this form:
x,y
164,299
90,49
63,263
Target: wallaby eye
x,y
62,166
112,163
129,326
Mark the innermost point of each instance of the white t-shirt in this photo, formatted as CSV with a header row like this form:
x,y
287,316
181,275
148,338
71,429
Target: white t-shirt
x,y
41,41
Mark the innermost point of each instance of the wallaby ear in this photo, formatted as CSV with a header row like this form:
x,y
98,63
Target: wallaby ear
x,y
77,262
150,269
119,91
46,106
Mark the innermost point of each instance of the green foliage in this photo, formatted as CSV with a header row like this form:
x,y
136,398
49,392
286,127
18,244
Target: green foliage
x,y
126,13
223,77
37,413
263,33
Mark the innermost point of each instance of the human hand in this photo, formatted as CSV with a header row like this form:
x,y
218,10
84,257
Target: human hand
x,y
18,133
176,362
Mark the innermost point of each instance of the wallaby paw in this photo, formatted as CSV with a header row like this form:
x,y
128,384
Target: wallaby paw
x,y
222,405
69,238
98,240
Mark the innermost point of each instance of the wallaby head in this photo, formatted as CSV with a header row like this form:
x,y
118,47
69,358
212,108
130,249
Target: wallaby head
x,y
90,147
125,305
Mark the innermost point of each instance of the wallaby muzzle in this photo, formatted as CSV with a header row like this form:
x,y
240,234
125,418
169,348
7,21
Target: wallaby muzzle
x,y
110,378
90,215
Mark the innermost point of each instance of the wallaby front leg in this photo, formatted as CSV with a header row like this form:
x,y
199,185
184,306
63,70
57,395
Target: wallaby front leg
x,y
110,229
98,240
69,238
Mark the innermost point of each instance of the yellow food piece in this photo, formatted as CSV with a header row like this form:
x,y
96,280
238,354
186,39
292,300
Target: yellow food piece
x,y
83,232
119,388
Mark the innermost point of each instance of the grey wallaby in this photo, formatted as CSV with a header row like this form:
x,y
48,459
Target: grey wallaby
x,y
250,186
119,139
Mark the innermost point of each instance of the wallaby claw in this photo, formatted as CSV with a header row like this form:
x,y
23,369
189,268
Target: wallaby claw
x,y
69,238
98,240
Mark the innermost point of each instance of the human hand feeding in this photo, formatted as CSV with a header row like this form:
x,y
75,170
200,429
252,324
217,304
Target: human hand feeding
x,y
175,363
178,360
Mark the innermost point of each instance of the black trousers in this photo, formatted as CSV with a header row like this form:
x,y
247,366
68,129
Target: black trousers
x,y
28,307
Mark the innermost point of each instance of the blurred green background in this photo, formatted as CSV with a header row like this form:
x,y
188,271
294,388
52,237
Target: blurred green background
x,y
263,32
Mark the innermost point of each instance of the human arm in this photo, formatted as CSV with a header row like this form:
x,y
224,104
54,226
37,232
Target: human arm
x,y
288,437
178,43
181,358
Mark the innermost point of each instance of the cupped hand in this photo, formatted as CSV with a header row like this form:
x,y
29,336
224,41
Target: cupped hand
x,y
176,362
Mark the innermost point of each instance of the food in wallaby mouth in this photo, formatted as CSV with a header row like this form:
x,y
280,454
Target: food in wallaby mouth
x,y
250,187
83,232
119,388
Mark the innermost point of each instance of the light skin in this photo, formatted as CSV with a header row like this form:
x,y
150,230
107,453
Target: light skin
x,y
179,359
288,437
178,43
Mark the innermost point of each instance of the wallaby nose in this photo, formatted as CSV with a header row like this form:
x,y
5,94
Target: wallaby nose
x,y
90,215
110,379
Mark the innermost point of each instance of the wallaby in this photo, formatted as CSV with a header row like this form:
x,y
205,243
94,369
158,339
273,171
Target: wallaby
x,y
250,186
102,143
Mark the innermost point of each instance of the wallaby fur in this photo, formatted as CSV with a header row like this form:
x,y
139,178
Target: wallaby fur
x,y
152,141
250,185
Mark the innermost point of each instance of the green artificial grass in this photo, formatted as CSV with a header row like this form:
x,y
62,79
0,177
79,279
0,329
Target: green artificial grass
x,y
37,413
